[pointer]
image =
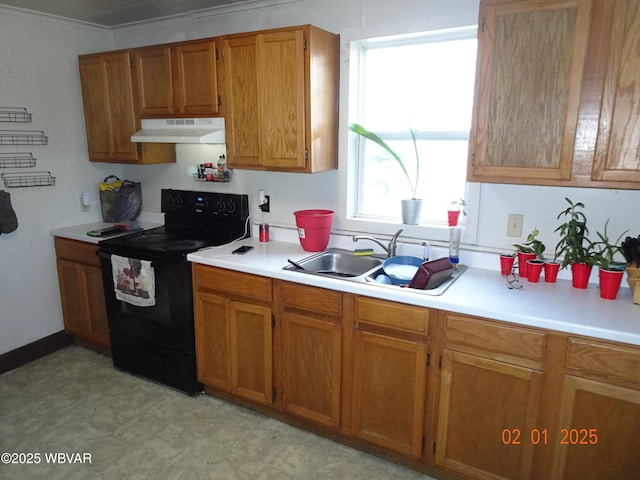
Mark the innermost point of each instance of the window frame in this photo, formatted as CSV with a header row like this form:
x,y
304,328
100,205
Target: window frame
x,y
348,144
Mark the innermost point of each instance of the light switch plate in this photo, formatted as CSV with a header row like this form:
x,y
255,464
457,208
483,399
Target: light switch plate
x,y
514,225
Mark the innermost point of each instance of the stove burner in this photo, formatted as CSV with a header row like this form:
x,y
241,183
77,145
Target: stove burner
x,y
151,238
184,245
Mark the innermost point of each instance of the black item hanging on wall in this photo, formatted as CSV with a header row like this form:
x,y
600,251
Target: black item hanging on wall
x,y
8,219
120,200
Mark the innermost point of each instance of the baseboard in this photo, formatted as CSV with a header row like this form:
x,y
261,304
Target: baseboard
x,y
28,353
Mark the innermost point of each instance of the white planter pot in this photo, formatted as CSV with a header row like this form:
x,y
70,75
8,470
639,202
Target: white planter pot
x,y
411,209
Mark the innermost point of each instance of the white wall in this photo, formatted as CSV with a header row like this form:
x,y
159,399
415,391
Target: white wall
x,y
39,71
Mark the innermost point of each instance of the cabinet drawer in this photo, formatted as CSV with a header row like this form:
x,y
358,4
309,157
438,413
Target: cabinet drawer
x,y
495,337
603,358
220,279
312,298
76,251
392,315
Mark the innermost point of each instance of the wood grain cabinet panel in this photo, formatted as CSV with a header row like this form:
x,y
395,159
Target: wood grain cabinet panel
x,y
81,292
109,96
310,321
480,399
389,388
528,85
281,98
234,332
598,435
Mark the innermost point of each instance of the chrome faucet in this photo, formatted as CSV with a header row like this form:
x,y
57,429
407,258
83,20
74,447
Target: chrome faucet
x,y
390,249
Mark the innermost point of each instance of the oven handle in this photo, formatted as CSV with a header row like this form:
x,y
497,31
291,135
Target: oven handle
x,y
107,256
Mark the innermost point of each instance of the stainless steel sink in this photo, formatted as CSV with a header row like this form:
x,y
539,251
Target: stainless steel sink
x,y
335,262
343,264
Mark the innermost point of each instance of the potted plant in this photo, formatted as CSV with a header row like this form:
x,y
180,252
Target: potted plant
x,y
610,270
574,248
411,207
530,252
453,214
631,252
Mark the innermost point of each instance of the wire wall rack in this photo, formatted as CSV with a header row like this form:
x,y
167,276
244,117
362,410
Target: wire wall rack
x,y
33,179
23,137
17,160
14,115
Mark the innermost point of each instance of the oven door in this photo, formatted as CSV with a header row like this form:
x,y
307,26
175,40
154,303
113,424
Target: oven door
x,y
168,323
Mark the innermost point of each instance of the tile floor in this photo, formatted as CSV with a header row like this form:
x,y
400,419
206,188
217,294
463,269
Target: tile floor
x,y
74,401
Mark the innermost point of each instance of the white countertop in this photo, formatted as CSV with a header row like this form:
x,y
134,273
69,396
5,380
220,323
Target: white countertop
x,y
555,306
79,232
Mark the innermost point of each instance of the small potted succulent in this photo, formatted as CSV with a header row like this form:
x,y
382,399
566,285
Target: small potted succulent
x,y
574,248
610,269
453,214
530,253
412,206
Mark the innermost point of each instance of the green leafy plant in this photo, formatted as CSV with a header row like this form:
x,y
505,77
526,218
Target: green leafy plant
x,y
574,246
532,245
369,135
604,251
461,203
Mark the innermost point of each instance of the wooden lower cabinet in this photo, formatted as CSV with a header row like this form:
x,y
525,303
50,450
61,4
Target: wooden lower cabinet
x,y
234,347
492,400
486,410
599,415
311,352
81,292
389,380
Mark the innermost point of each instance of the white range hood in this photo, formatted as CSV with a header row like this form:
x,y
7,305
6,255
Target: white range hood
x,y
180,130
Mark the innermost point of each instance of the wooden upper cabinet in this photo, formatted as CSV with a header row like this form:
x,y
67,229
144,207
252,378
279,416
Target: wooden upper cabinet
x,y
177,80
281,89
155,81
111,117
528,84
617,155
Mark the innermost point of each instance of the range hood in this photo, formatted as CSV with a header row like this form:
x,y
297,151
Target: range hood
x,y
180,130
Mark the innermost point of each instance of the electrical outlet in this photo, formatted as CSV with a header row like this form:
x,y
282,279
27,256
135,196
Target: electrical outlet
x,y
514,225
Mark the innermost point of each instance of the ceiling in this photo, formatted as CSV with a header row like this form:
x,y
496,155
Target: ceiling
x,y
111,13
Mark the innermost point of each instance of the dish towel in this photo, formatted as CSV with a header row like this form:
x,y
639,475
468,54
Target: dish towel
x,y
134,281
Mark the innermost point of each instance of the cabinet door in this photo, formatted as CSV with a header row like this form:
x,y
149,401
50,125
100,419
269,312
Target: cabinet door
x,y
311,364
616,156
389,378
196,91
234,346
107,90
83,306
281,97
73,295
528,83
155,81
251,351
599,427
213,340
480,401
242,120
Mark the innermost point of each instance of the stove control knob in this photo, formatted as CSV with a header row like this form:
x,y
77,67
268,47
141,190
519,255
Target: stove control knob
x,y
220,206
231,206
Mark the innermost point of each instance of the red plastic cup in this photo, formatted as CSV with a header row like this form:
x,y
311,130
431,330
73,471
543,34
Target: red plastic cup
x,y
551,270
506,264
580,273
610,283
522,263
534,269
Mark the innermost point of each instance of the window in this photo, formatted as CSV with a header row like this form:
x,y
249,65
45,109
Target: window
x,y
423,82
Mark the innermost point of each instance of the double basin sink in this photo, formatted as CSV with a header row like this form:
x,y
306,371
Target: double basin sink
x,y
345,265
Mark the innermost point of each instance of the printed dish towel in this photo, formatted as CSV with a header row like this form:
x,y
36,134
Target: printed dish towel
x,y
134,281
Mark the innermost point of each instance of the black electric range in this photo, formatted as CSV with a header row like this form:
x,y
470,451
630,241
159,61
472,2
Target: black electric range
x,y
153,335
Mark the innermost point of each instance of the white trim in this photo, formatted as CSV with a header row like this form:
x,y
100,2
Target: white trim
x,y
32,14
